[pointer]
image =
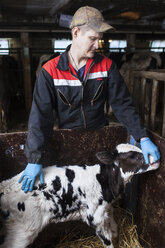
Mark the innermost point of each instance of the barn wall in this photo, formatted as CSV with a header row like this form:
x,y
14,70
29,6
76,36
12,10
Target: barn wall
x,y
65,147
151,202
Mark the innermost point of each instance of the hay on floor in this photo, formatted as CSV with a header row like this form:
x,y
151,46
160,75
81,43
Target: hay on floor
x,y
127,238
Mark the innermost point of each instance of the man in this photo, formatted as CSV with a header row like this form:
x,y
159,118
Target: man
x,y
76,84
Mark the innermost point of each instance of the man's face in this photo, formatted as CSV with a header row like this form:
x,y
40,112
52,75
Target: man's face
x,y
88,42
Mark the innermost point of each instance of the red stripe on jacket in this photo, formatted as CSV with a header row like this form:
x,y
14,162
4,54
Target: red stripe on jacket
x,y
55,73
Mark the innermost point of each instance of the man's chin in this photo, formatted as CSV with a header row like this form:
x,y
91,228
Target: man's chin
x,y
91,54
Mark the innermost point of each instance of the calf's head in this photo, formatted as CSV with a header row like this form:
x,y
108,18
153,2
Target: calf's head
x,y
120,166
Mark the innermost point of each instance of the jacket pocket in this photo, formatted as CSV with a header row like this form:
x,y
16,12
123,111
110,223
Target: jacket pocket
x,y
64,99
98,93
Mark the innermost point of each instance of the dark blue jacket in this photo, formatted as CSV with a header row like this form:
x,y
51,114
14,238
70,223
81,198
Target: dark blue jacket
x,y
77,104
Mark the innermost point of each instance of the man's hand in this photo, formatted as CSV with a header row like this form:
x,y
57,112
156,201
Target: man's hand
x,y
31,172
149,148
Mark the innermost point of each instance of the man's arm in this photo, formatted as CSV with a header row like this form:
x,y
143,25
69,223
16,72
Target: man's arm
x,y
40,128
124,109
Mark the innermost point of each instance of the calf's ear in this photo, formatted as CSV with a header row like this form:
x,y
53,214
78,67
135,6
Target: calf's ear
x,y
104,157
116,184
110,181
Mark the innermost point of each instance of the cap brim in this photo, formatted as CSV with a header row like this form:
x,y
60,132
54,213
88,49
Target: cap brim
x,y
101,27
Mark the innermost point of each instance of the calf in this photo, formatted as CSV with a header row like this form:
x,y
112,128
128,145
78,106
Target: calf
x,y
71,193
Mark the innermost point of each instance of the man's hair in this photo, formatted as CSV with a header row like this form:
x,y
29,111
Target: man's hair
x,y
84,28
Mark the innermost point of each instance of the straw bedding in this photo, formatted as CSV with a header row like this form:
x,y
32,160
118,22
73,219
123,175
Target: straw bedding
x,y
128,236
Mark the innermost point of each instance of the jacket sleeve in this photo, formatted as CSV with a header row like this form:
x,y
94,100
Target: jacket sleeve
x,y
41,118
122,105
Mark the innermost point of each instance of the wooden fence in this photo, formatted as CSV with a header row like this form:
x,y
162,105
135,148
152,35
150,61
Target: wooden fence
x,y
148,92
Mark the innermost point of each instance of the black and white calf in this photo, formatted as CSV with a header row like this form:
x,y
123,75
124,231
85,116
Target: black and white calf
x,y
71,193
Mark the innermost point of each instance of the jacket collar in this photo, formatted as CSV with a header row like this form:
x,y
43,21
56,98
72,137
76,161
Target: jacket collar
x,y
63,63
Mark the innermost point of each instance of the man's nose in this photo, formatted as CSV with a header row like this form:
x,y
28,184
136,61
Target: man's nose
x,y
96,44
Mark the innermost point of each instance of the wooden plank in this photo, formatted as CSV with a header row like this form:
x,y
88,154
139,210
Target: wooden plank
x,y
160,76
136,94
143,90
147,104
158,70
153,103
131,81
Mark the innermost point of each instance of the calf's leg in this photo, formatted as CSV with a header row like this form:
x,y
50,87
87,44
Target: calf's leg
x,y
20,232
15,238
101,223
112,223
105,236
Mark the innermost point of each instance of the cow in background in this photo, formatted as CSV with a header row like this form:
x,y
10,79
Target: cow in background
x,y
9,87
134,61
139,61
43,59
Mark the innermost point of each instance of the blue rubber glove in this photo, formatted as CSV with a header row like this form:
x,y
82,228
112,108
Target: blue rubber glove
x,y
31,172
133,142
148,148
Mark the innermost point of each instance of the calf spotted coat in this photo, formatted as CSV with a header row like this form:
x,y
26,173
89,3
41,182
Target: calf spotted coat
x,y
70,193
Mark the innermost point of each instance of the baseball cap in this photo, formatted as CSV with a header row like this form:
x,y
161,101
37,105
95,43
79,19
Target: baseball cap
x,y
92,17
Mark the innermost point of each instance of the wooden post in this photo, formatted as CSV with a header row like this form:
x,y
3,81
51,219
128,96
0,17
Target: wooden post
x,y
26,71
131,39
153,103
131,81
143,92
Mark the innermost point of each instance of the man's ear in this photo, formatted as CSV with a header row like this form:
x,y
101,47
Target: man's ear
x,y
105,157
75,31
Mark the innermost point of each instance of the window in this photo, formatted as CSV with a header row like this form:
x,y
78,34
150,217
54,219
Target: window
x,y
157,45
60,45
4,44
117,45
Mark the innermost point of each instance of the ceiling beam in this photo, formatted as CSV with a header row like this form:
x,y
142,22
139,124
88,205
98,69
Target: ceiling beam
x,y
57,5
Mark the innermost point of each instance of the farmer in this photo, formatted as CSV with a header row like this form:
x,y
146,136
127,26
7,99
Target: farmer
x,y
76,85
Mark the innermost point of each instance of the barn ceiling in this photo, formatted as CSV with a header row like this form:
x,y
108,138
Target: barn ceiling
x,y
137,16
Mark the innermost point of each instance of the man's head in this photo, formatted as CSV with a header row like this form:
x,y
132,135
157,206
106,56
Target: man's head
x,y
85,41
87,28
90,17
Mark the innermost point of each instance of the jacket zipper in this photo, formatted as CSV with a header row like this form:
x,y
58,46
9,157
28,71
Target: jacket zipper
x,y
83,86
98,93
82,109
64,99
